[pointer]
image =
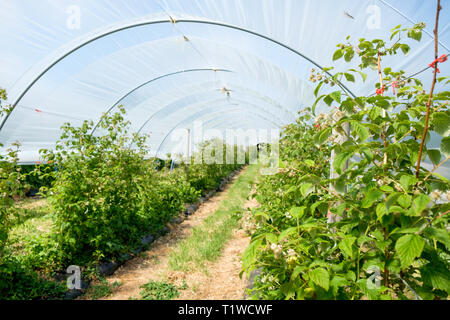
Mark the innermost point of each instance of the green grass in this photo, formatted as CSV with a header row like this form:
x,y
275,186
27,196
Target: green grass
x,y
154,290
21,235
103,289
28,209
208,239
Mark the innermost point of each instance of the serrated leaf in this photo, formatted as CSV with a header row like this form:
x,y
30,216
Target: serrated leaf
x,y
250,253
370,197
361,131
297,212
328,100
439,235
286,233
408,248
420,202
381,210
404,200
435,156
320,277
374,112
338,54
445,146
367,153
336,95
346,246
363,75
341,160
305,189
349,55
441,122
324,135
271,238
296,272
349,77
407,181
436,276
415,34
405,48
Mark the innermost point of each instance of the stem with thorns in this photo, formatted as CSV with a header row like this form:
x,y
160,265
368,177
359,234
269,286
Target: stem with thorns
x,y
430,97
383,134
383,137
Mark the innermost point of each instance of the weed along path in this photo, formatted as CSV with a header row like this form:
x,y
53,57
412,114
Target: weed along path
x,y
199,258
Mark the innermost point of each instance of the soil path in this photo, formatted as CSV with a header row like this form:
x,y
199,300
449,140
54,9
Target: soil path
x,y
222,280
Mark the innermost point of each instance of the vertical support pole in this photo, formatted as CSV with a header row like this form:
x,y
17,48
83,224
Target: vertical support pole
x,y
188,151
340,139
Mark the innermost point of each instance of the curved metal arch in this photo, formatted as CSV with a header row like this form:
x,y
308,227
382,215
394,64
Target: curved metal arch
x,y
204,102
218,112
255,93
161,21
153,80
278,106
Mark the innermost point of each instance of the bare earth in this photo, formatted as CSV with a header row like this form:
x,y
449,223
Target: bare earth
x,y
222,280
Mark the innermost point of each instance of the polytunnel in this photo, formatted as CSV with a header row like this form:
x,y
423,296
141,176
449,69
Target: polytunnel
x,y
170,63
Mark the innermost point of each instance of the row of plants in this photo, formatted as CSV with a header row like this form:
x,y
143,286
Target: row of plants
x,y
352,213
103,199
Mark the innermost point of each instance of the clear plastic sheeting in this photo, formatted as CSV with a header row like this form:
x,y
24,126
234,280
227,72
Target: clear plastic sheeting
x,y
226,63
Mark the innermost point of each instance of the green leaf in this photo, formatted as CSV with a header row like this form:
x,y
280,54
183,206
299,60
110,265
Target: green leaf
x,y
297,212
363,75
340,160
324,135
407,181
346,246
381,210
271,238
296,272
420,202
328,100
316,91
439,235
313,108
415,34
249,256
435,156
362,132
371,196
408,248
349,77
436,275
386,188
445,146
405,48
320,277
305,189
336,95
375,112
286,233
338,54
404,200
441,122
367,153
